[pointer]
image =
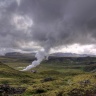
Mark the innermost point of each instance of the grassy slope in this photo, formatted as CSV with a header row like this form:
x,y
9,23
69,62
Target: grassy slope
x,y
67,74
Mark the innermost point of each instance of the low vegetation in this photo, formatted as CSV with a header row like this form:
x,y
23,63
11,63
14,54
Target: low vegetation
x,y
55,77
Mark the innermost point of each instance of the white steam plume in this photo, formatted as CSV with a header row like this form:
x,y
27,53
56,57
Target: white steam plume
x,y
41,55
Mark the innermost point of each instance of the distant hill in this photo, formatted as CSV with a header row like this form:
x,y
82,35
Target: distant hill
x,y
18,54
58,54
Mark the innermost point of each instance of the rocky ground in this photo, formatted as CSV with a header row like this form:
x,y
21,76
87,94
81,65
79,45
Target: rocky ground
x,y
6,90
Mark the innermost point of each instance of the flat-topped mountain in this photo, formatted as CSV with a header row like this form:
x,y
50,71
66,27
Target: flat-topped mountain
x,y
58,54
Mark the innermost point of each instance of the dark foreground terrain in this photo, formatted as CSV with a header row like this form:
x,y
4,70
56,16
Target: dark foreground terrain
x,y
63,76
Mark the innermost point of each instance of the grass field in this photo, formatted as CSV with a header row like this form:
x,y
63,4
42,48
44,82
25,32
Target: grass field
x,y
55,77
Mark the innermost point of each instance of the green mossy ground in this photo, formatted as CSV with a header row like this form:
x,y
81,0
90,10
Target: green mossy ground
x,y
70,78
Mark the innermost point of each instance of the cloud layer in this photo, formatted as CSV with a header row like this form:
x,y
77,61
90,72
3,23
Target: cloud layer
x,y
46,23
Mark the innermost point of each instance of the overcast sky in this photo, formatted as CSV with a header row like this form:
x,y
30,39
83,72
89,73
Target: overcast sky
x,y
60,25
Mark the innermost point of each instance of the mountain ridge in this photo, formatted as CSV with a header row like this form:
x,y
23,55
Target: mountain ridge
x,y
57,54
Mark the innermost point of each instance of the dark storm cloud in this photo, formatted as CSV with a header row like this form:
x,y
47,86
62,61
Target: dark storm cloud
x,y
43,10
55,22
66,21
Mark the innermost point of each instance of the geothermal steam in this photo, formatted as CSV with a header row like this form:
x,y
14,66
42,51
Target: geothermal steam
x,y
41,55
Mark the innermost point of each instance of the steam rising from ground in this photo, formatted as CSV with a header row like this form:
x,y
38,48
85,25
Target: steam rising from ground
x,y
46,22
41,55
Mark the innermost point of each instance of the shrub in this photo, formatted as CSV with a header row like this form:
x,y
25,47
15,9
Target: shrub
x,y
38,91
5,82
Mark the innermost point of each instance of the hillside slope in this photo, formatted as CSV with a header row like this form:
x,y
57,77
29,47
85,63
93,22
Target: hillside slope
x,y
8,71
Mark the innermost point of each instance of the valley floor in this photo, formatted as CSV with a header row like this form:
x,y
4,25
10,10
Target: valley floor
x,y
55,77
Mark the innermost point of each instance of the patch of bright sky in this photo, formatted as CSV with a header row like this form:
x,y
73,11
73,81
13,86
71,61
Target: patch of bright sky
x,y
22,22
76,48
